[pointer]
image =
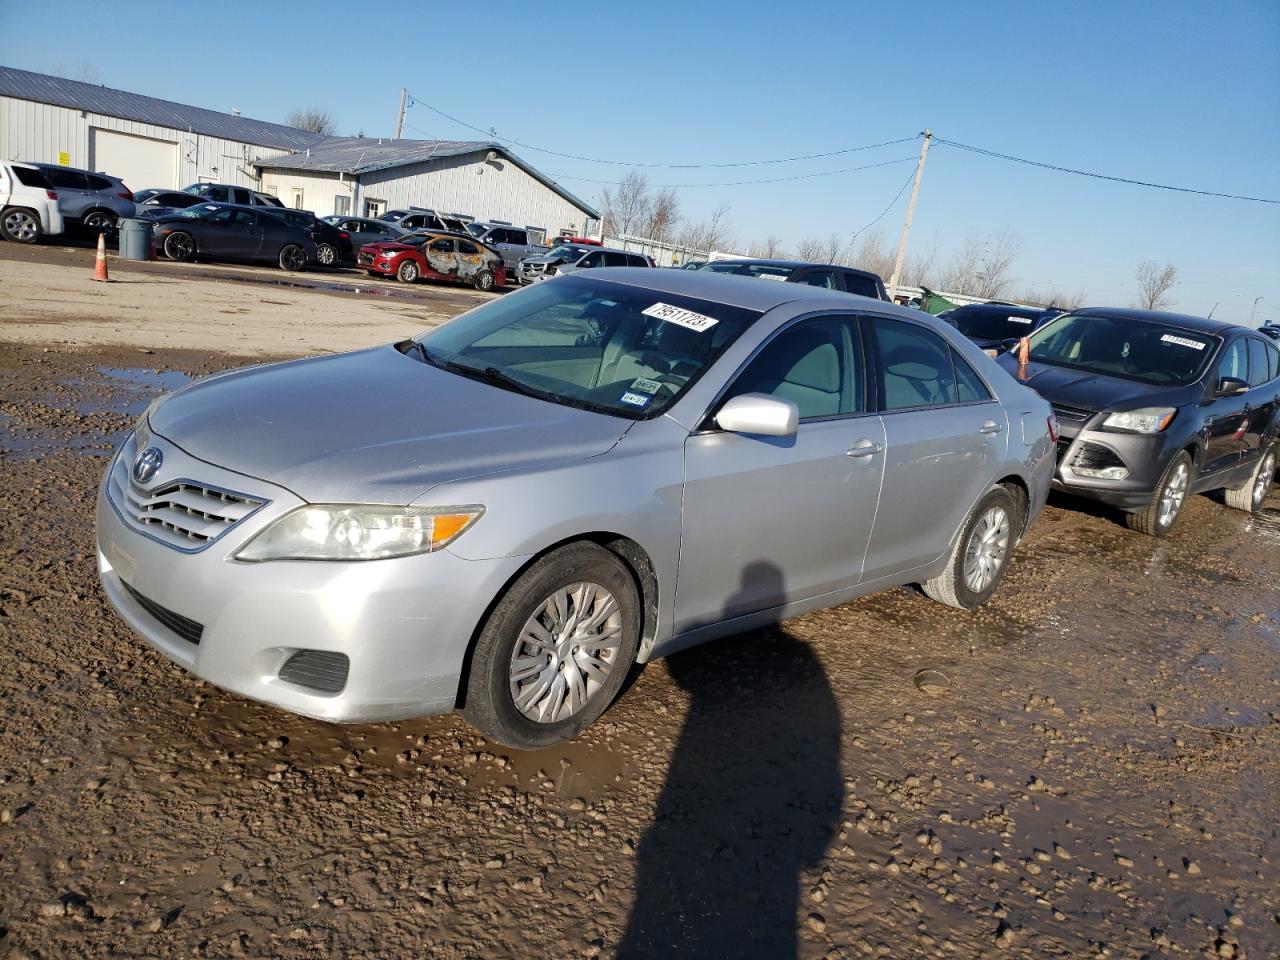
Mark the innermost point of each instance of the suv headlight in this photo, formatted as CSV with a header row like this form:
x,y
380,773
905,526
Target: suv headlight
x,y
1145,420
336,531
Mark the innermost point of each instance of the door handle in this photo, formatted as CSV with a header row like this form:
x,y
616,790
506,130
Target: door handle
x,y
990,427
864,448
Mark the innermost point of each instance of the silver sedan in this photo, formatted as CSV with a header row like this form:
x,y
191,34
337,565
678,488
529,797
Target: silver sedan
x,y
508,512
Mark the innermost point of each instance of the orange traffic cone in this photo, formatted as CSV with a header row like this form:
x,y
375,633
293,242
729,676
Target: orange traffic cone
x,y
100,265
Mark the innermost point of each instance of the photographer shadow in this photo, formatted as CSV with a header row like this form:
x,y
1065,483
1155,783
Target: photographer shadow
x,y
751,801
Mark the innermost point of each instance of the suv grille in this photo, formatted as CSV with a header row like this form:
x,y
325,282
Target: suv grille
x,y
184,627
183,514
1093,456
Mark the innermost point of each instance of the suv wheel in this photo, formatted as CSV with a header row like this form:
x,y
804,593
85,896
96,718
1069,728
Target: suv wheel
x,y
99,221
19,225
1157,518
981,553
556,649
1250,496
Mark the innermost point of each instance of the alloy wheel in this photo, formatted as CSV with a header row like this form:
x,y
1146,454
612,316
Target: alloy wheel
x,y
21,226
293,257
99,222
1175,491
326,254
985,552
178,246
565,652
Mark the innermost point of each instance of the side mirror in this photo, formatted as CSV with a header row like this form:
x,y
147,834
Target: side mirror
x,y
759,414
1231,387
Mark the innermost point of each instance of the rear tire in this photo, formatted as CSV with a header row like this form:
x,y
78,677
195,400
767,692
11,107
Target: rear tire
x,y
1250,495
292,258
99,221
326,254
510,660
484,280
1157,518
407,272
981,553
20,225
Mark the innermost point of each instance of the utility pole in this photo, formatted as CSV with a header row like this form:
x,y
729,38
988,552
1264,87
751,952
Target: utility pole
x,y
404,96
906,225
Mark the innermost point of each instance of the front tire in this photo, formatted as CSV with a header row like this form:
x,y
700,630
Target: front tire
x,y
179,246
1156,519
556,649
1250,496
292,258
20,226
980,555
407,272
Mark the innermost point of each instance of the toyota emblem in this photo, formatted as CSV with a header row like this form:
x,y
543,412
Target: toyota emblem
x,y
147,464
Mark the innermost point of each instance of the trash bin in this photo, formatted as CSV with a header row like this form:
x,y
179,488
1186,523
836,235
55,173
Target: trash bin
x,y
135,239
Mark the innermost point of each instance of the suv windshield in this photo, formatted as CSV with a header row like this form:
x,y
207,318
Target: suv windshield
x,y
987,324
1124,347
771,271
602,346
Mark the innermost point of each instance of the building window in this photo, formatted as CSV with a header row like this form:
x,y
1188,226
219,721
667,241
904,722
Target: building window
x,y
374,208
341,205
297,198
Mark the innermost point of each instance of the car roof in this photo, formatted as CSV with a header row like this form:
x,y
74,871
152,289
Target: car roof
x,y
59,166
751,293
794,264
1201,324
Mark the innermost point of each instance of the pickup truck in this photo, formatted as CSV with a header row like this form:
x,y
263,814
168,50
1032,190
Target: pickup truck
x,y
513,243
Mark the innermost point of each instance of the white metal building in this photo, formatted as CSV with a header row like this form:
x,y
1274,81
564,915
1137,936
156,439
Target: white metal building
x,y
368,176
145,141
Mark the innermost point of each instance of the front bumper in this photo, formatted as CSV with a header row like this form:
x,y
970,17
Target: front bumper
x,y
381,265
1144,456
404,624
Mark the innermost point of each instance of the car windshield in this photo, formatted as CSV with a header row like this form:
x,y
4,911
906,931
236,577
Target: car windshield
x,y
768,271
1124,347
476,229
200,211
609,347
987,324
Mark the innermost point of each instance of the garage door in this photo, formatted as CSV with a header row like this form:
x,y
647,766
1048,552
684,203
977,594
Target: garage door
x,y
139,161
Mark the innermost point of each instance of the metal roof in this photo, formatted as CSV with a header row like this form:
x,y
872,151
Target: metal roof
x,y
357,155
93,98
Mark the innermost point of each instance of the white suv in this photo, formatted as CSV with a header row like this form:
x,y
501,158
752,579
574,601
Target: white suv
x,y
28,205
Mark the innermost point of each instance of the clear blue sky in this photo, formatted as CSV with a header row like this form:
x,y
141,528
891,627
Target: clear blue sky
x,y
1173,92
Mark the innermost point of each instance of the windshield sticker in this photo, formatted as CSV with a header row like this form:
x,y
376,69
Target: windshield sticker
x,y
1182,341
645,386
680,317
636,399
1018,319
772,276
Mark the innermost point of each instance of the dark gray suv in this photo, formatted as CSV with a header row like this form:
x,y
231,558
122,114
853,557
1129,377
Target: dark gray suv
x,y
1154,407
91,201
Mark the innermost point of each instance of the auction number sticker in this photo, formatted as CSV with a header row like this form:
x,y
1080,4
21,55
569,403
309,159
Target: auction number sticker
x,y
772,276
1182,341
1018,319
680,317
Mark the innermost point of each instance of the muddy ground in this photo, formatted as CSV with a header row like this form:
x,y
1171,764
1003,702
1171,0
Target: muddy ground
x,y
1089,766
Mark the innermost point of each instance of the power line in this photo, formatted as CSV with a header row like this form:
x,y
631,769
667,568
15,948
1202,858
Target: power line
x,y
1099,176
415,102
741,183
896,197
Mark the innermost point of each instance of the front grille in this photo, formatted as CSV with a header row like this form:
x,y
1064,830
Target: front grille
x,y
184,627
182,513
1074,414
1064,445
1093,456
318,669
366,258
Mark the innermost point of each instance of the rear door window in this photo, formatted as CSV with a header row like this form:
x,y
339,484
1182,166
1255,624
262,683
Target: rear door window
x,y
1259,364
67,179
468,248
98,183
969,386
915,366
1273,359
616,260
634,260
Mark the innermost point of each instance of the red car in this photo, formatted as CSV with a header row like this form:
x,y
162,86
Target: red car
x,y
435,255
556,241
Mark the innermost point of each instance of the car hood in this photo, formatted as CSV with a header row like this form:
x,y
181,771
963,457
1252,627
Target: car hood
x,y
1093,391
375,426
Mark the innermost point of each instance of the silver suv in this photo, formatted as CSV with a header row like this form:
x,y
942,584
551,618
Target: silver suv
x,y
424,218
91,201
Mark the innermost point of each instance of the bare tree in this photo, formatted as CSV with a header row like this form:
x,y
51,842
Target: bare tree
x,y
626,206
770,248
662,216
982,265
872,252
315,119
83,71
810,248
1154,284
1053,298
709,234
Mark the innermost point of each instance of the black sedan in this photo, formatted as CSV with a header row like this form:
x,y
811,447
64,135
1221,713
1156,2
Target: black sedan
x,y
1154,407
332,245
225,231
995,326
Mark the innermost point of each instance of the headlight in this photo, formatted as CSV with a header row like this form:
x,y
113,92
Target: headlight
x,y
1146,420
358,532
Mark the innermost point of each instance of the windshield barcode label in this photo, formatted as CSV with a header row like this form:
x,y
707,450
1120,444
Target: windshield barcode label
x,y
680,316
1182,341
1018,319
